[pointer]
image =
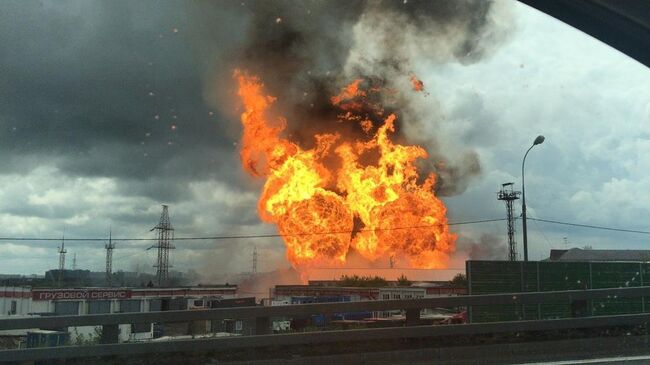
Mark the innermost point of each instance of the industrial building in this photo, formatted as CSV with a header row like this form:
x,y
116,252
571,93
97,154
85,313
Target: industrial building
x,y
581,254
31,301
328,292
283,294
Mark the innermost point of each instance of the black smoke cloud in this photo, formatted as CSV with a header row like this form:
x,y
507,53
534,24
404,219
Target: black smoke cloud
x,y
306,51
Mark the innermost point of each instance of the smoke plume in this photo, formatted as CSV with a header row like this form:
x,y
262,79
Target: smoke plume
x,y
306,51
486,247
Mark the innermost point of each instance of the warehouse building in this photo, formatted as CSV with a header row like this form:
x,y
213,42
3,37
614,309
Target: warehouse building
x,y
283,293
328,292
29,301
581,254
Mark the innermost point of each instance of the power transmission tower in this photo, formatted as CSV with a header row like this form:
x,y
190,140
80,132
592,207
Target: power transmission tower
x,y
165,235
62,252
509,195
109,258
74,261
254,259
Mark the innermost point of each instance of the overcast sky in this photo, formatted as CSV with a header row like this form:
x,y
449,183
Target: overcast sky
x,y
104,116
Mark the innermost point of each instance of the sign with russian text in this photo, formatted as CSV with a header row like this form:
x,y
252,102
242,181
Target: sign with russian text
x,y
80,294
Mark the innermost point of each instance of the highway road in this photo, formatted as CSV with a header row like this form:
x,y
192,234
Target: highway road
x,y
626,360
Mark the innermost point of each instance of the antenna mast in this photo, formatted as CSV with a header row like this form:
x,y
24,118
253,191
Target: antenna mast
x,y
509,195
109,258
62,252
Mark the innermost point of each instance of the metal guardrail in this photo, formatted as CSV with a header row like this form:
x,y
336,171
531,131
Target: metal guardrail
x,y
262,314
226,343
310,338
320,308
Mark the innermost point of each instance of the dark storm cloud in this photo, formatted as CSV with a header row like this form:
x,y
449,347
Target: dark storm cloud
x,y
106,89
116,89
141,93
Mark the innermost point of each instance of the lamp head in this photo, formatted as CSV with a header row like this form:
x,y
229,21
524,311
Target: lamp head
x,y
538,140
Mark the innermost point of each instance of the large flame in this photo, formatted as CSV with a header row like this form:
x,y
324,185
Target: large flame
x,y
380,209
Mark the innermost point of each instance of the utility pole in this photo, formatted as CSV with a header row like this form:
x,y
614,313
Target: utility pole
x,y
539,140
165,235
254,260
509,195
62,252
109,258
74,261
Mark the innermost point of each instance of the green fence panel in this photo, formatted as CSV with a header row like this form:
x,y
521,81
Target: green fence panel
x,y
645,280
616,275
530,283
491,277
556,276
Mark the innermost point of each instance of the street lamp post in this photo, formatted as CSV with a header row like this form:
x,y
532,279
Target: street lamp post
x,y
537,141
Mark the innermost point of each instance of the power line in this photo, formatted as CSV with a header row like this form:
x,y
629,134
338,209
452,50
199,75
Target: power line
x,y
590,226
233,237
475,222
129,255
250,236
542,232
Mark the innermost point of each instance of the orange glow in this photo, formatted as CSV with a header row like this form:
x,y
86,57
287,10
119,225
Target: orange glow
x,y
380,209
417,84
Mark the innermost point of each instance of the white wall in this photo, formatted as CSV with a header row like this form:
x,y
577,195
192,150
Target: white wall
x,y
23,305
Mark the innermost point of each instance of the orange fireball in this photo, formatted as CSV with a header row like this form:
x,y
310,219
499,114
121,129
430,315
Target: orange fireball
x,y
380,209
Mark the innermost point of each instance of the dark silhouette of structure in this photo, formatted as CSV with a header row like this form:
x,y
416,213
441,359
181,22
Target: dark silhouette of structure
x,y
509,195
109,258
165,235
62,252
254,260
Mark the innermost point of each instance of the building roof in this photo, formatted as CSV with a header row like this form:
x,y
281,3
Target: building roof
x,y
578,254
96,293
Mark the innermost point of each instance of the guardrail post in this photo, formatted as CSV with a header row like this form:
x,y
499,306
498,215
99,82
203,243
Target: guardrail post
x,y
413,317
110,333
262,325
